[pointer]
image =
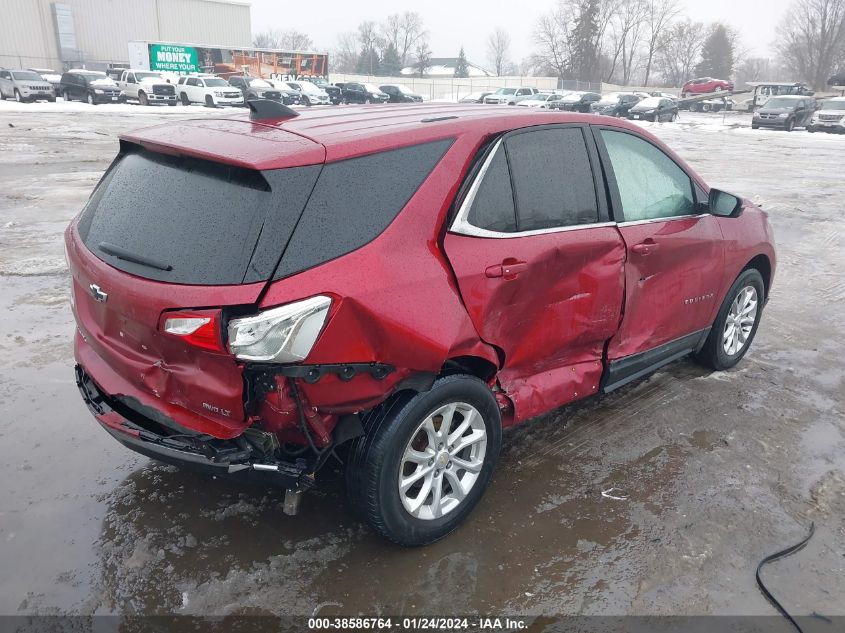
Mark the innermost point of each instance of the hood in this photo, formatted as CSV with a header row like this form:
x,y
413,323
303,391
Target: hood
x,y
154,81
830,112
641,108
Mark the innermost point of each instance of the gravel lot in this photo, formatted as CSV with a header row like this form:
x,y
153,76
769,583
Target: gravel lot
x,y
718,469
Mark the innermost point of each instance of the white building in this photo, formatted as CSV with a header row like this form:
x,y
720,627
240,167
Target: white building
x,y
48,34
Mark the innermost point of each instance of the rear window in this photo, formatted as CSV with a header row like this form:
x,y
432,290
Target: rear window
x,y
189,221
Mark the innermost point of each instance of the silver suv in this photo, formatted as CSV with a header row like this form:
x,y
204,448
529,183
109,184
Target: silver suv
x,y
25,85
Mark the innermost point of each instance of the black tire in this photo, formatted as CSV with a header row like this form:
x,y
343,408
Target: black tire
x,y
374,460
91,99
307,101
51,99
790,125
713,354
811,129
184,99
755,127
66,96
19,97
209,101
142,98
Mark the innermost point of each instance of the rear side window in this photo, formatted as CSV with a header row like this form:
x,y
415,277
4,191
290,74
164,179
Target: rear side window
x,y
552,179
189,221
355,200
492,208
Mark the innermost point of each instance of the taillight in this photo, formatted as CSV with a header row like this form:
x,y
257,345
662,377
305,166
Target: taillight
x,y
200,328
282,335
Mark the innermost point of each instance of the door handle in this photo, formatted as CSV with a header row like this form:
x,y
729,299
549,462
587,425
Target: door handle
x,y
645,248
508,269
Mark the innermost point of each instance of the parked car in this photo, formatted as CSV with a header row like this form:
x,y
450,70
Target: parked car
x,y
575,102
830,117
399,93
25,85
837,80
616,104
147,87
510,96
309,94
703,85
716,104
209,90
290,96
787,112
474,97
50,76
91,86
765,90
335,93
654,109
353,92
257,88
302,333
541,100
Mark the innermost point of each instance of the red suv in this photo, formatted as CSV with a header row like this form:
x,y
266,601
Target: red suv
x,y
394,285
704,85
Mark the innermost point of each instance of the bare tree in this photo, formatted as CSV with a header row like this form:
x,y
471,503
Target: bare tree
x,y
658,17
422,55
812,39
498,50
290,39
678,51
552,34
752,69
345,56
404,31
626,28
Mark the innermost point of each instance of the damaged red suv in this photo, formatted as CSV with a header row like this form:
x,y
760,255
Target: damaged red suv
x,y
394,285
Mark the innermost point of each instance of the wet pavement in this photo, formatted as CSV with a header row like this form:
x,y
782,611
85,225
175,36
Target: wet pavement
x,y
712,471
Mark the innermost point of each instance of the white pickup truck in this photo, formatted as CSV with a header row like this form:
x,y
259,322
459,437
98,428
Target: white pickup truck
x,y
147,87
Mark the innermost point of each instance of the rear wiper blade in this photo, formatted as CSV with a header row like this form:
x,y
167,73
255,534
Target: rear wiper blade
x,y
129,256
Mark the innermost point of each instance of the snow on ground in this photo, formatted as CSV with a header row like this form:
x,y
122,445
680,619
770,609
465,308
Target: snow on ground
x,y
60,105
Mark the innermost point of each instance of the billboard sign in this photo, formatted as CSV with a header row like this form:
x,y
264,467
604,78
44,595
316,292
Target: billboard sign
x,y
173,58
226,62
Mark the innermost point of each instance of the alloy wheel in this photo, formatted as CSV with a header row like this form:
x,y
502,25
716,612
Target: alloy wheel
x,y
740,321
442,461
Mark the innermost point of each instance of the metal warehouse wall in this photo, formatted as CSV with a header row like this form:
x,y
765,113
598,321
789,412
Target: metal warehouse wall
x,y
104,27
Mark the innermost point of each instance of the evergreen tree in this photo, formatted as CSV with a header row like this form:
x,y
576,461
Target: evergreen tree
x,y
368,62
717,54
391,64
461,66
584,62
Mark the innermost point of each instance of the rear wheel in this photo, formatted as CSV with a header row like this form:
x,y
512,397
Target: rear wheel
x,y
736,324
425,460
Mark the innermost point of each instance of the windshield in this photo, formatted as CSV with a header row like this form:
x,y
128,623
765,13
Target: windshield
x,y
575,96
310,88
834,105
141,76
505,91
372,88
215,82
27,75
101,81
403,89
609,99
779,102
259,83
650,102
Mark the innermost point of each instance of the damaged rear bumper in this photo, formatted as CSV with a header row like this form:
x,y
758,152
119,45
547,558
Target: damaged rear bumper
x,y
197,452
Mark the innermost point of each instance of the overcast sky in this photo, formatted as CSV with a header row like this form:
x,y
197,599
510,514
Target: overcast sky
x,y
452,23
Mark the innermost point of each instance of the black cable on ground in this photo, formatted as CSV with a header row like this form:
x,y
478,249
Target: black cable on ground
x,y
777,556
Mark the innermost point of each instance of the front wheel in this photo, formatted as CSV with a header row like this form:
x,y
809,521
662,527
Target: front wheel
x,y
736,324
18,96
209,101
66,96
425,460
790,125
91,100
142,99
184,98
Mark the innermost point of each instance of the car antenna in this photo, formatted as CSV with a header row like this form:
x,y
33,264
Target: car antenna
x,y
264,109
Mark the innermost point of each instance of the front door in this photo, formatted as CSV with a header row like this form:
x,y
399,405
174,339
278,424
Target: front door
x,y
539,267
675,259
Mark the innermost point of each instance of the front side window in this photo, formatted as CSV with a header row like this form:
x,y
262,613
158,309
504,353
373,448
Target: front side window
x,y
651,185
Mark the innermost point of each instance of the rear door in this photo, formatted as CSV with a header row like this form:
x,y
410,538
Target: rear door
x,y
675,253
538,264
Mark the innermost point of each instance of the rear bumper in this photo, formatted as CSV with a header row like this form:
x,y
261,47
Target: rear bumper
x,y
198,452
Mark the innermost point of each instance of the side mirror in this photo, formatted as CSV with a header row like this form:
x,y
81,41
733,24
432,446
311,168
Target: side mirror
x,y
723,204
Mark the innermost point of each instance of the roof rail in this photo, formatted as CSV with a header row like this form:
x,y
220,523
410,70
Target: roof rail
x,y
265,109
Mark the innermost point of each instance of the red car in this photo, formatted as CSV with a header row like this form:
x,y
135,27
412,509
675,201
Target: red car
x,y
394,285
705,85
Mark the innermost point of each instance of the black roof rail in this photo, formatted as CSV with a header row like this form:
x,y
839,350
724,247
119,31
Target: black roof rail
x,y
264,109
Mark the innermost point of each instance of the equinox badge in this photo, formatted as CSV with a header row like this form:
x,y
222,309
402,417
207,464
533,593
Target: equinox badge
x,y
98,294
